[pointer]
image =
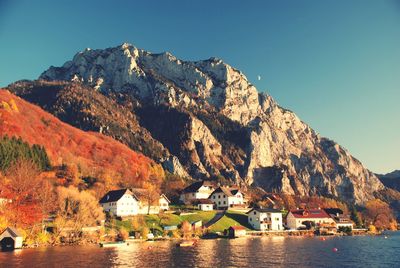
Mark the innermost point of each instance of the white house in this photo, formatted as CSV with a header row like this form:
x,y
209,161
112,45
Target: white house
x,y
162,204
120,203
264,219
299,217
340,219
224,197
205,204
10,239
197,190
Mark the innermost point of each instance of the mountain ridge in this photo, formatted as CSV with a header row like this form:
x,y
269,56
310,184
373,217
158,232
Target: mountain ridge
x,y
215,123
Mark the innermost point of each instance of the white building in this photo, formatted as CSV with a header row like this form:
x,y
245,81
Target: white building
x,y
195,191
161,204
126,202
10,239
264,219
299,217
120,203
205,204
224,198
341,220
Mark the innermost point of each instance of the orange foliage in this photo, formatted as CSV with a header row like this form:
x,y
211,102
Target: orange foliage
x,y
92,152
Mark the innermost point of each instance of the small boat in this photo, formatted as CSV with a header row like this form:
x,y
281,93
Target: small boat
x,y
112,244
186,243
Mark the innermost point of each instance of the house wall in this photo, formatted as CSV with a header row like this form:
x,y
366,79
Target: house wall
x,y
205,207
338,225
236,199
202,193
294,223
125,206
164,205
18,242
256,220
221,200
144,209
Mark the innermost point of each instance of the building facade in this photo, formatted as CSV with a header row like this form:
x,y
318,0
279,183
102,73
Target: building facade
x,y
299,218
265,219
120,203
224,197
131,202
195,191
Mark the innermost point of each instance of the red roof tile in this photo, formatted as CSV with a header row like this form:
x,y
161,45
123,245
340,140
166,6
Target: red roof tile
x,y
309,213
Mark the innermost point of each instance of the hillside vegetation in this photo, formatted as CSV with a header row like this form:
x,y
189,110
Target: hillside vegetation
x,y
93,154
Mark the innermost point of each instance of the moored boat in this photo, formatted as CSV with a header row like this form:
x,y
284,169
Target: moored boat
x,y
187,243
113,244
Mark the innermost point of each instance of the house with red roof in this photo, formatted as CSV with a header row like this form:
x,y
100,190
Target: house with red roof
x,y
300,218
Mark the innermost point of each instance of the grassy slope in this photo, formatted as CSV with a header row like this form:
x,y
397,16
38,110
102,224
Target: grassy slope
x,y
231,218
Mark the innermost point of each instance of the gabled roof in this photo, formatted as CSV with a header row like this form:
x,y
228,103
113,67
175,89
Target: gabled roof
x,y
114,196
227,191
265,210
194,187
12,231
309,213
165,197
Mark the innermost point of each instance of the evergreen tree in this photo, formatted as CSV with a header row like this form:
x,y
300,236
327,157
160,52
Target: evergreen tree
x,y
14,149
354,216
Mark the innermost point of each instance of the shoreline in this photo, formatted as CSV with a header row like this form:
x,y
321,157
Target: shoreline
x,y
247,236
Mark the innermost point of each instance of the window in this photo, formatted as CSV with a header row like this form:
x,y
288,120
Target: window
x,y
219,196
193,194
219,202
250,219
254,213
224,196
213,196
224,202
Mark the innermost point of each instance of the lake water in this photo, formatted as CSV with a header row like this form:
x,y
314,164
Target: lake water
x,y
360,251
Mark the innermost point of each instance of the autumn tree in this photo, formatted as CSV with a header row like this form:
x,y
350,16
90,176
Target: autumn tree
x,y
379,214
76,210
172,186
355,216
186,229
20,186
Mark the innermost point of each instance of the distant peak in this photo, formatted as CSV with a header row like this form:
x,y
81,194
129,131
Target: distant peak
x,y
126,45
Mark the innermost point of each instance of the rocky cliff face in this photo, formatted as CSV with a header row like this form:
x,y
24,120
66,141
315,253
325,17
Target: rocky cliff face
x,y
213,120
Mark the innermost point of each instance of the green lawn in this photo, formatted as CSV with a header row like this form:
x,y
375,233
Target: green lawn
x,y
231,218
204,216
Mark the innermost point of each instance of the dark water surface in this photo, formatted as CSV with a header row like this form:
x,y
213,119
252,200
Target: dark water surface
x,y
361,251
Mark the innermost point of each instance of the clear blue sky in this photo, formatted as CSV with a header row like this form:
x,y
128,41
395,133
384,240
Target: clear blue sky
x,y
335,63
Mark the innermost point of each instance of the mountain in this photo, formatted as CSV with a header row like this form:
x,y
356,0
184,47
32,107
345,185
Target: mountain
x,y
91,152
204,117
391,180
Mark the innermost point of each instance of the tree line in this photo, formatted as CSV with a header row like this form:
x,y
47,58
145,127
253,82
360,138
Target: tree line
x,y
13,149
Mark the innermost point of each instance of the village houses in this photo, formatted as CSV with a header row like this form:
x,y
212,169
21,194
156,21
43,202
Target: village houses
x,y
225,197
130,202
195,191
265,219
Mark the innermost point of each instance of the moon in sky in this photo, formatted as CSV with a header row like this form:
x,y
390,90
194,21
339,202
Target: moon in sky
x,y
258,77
